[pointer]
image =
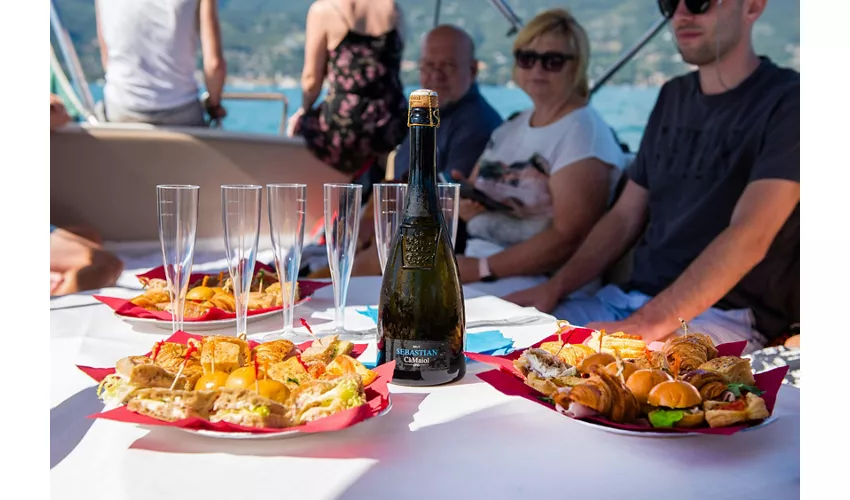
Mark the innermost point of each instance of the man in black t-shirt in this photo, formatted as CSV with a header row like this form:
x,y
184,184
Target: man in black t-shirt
x,y
711,206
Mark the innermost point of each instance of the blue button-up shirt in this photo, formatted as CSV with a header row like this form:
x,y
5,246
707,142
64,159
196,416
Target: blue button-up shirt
x,y
465,128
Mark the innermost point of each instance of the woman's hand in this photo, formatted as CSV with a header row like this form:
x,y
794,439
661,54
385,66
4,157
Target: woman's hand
x,y
293,126
467,209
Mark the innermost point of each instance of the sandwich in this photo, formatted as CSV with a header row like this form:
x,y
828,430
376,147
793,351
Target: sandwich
x,y
643,381
131,374
320,398
171,355
571,354
247,408
546,372
172,405
711,385
603,394
724,414
622,368
628,346
290,372
344,364
690,350
735,369
221,353
600,359
326,349
677,404
274,351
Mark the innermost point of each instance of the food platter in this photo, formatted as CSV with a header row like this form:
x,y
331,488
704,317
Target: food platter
x,y
288,434
684,387
226,387
201,326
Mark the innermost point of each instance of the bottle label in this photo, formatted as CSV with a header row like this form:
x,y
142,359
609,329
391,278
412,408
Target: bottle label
x,y
419,247
418,355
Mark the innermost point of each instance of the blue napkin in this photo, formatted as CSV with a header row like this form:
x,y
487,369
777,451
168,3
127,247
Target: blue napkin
x,y
491,342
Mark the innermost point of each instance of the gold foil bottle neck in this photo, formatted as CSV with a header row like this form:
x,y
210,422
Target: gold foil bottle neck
x,y
423,98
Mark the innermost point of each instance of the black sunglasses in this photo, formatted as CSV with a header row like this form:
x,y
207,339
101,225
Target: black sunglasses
x,y
551,61
696,7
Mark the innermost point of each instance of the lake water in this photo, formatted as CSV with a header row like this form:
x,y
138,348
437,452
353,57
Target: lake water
x,y
625,108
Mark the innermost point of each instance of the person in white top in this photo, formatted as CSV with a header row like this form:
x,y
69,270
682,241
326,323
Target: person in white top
x,y
148,50
548,174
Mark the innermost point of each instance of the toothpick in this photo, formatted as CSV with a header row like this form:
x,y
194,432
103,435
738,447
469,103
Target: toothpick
x,y
564,344
189,352
684,325
601,334
620,365
310,330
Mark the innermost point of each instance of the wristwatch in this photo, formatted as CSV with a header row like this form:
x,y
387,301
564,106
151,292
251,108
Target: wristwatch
x,y
484,271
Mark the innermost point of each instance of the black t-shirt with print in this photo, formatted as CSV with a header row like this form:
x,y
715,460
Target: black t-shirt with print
x,y
698,154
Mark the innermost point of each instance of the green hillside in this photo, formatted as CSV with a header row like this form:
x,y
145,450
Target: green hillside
x,y
263,39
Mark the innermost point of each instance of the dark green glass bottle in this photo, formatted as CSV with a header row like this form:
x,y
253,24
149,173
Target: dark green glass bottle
x,y
421,317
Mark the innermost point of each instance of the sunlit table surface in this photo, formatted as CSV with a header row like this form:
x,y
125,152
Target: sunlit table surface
x,y
464,440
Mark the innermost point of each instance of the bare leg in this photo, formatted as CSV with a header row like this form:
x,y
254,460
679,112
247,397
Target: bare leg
x,y
78,264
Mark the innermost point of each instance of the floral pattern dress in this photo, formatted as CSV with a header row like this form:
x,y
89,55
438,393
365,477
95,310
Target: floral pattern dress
x,y
364,113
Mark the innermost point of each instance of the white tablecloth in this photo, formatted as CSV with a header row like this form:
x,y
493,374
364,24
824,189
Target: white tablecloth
x,y
465,440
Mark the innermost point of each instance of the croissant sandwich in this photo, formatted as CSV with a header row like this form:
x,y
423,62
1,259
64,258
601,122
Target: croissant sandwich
x,y
735,369
711,385
691,350
274,351
571,354
603,393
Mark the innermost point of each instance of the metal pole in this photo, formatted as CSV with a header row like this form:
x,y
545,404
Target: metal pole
x,y
508,13
625,58
437,13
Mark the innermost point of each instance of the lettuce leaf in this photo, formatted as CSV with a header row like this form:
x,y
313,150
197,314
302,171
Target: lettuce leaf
x,y
665,418
736,389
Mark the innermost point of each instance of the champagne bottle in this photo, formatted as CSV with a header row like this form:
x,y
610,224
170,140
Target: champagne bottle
x,y
421,316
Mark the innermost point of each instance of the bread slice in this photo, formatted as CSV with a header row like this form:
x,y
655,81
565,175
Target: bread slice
x,y
172,405
245,407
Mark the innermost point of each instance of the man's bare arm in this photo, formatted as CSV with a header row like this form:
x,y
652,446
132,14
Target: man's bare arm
x,y
215,67
759,214
610,238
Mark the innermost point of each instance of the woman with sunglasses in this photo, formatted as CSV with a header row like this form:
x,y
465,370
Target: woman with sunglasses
x,y
556,165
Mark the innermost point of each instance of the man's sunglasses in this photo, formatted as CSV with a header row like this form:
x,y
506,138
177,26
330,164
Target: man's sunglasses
x,y
551,61
696,7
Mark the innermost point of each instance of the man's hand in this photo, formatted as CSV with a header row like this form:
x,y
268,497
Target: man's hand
x,y
541,297
58,114
632,326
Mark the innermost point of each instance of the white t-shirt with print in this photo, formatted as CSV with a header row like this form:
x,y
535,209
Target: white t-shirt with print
x,y
579,135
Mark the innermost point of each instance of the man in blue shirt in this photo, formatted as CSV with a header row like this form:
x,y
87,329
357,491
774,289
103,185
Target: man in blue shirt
x,y
447,65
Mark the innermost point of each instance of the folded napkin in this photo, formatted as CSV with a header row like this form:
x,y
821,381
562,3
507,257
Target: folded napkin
x,y
491,342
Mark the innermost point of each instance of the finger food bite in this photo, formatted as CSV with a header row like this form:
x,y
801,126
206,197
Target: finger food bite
x,y
344,364
272,389
711,385
546,372
601,393
222,353
643,381
321,398
172,405
628,367
291,372
724,414
600,359
274,351
628,346
735,369
326,349
571,354
678,405
211,381
131,374
691,350
245,407
241,378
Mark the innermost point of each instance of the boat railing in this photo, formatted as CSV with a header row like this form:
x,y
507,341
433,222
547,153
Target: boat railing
x,y
257,96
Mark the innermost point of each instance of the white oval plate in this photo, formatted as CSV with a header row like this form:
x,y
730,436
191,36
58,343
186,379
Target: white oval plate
x,y
651,434
200,326
259,435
